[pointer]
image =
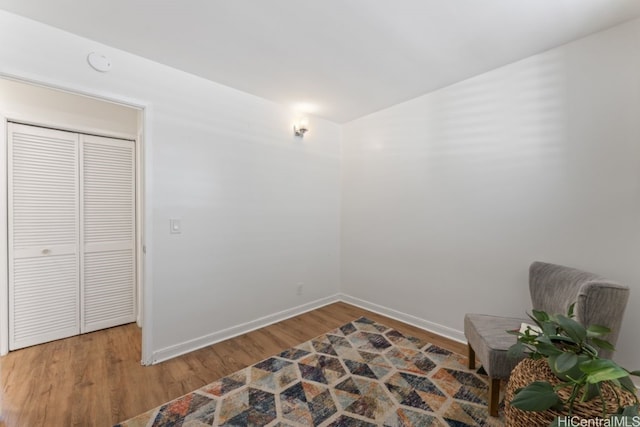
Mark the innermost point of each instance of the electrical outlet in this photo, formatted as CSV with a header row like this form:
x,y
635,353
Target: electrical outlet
x,y
300,288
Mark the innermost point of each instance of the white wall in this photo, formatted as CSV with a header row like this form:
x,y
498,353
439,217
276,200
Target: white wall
x,y
45,106
446,198
259,208
449,197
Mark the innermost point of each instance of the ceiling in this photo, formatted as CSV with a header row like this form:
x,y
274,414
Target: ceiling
x,y
339,59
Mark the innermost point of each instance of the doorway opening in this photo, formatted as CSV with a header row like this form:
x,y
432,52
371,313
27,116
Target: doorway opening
x,y
101,128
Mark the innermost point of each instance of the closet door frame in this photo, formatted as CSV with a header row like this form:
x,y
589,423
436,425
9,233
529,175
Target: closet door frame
x,y
4,237
142,220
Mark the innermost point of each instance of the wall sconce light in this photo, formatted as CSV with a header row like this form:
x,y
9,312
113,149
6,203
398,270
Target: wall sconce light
x,y
300,127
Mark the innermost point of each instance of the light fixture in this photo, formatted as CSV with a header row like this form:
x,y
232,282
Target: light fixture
x,y
301,127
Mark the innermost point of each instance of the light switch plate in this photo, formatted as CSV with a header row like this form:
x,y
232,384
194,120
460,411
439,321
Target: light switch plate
x,y
174,226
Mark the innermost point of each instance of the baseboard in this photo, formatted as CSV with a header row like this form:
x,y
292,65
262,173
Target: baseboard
x,y
207,340
418,322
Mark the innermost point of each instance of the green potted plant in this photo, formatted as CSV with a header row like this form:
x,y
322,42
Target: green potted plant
x,y
570,351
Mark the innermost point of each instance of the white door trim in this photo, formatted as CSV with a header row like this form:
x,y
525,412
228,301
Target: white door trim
x,y
4,237
143,212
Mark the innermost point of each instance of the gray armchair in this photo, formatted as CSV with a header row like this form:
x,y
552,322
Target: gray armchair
x,y
553,289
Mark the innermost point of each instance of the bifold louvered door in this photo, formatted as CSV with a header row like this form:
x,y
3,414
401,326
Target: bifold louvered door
x,y
71,201
44,256
107,232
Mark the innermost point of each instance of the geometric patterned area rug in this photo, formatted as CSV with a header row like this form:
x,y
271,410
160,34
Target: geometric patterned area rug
x,y
362,374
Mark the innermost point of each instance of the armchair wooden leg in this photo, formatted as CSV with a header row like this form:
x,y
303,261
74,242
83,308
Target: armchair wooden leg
x,y
471,356
494,396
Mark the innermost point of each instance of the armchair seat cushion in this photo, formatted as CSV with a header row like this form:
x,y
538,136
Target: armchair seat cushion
x,y
486,335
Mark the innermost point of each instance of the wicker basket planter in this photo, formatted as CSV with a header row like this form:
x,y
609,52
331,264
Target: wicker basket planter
x,y
530,370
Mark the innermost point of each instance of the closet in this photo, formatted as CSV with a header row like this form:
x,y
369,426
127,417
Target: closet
x,y
71,230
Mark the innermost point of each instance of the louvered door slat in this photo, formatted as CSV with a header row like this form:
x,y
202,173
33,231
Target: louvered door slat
x,y
107,232
43,235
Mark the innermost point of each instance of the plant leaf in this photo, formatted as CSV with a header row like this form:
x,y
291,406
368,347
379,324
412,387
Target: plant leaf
x,y
597,331
635,373
516,351
549,328
627,384
540,316
630,411
591,392
570,311
547,349
565,362
599,370
573,329
627,416
603,344
537,396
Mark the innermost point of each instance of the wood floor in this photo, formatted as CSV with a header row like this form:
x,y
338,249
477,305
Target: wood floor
x,y
97,380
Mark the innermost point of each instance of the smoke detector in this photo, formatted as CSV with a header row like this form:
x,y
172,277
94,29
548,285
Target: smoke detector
x,y
99,62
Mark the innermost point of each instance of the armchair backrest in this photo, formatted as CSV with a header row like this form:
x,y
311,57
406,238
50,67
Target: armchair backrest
x,y
598,301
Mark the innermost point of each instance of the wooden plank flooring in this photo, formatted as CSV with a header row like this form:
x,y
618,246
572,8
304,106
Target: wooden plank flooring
x,y
97,380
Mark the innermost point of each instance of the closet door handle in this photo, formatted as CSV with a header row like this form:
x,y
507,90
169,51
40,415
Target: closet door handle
x,y
46,251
